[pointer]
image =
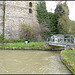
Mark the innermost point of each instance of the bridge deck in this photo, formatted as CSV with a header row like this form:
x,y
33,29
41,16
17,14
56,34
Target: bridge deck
x,y
64,42
59,44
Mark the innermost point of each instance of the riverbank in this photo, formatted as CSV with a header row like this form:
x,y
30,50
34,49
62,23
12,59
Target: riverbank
x,y
68,58
43,47
29,46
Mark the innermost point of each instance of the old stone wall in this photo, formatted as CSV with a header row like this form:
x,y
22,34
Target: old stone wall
x,y
16,14
1,17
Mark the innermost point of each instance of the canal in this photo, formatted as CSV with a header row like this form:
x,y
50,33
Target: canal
x,y
31,62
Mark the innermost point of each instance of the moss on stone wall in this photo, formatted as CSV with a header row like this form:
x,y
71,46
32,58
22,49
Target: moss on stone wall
x,y
1,38
3,18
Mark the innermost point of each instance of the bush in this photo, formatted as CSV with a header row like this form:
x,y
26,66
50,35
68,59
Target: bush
x,y
27,32
1,38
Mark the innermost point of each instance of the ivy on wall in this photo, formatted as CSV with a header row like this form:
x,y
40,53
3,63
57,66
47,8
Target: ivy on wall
x,y
3,23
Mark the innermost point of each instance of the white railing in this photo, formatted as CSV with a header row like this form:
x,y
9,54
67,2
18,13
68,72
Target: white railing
x,y
61,39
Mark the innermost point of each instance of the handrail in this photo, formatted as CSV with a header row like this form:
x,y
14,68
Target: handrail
x,y
61,39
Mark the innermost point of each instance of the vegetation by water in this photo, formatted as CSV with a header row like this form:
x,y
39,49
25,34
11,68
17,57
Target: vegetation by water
x,y
13,40
22,44
54,23
46,20
69,55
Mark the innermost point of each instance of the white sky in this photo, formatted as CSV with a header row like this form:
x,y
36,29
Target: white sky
x,y
51,5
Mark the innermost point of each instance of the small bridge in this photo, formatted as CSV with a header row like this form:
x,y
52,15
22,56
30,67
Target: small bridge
x,y
64,40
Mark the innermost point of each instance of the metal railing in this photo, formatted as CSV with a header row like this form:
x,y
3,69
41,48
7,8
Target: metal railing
x,y
61,39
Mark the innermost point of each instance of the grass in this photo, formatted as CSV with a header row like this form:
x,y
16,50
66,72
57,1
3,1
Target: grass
x,y
30,44
69,55
13,40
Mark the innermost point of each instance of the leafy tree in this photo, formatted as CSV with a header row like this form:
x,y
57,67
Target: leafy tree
x,y
62,9
72,27
52,23
62,12
41,11
47,21
63,25
41,16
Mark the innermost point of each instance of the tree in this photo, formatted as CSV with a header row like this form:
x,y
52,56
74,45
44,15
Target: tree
x,y
52,23
41,12
62,12
62,9
46,20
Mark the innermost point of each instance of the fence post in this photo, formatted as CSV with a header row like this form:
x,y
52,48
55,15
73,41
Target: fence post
x,y
70,38
74,43
63,39
47,40
66,42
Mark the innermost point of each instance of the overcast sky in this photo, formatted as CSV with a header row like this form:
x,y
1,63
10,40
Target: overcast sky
x,y
51,5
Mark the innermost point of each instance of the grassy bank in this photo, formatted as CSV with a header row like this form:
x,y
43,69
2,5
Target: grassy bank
x,y
69,56
22,44
13,40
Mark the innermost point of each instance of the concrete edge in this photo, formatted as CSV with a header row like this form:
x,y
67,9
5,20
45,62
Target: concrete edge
x,y
30,48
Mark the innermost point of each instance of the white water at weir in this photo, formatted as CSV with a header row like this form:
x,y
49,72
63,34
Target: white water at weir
x,y
31,62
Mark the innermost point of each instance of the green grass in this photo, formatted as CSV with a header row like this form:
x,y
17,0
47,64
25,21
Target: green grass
x,y
69,55
31,44
13,40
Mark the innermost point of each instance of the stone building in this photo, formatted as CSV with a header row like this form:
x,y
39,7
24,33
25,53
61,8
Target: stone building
x,y
14,14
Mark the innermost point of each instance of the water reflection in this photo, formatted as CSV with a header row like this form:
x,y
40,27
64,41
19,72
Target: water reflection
x,y
31,62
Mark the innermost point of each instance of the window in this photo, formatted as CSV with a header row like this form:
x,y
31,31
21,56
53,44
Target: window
x,y
30,4
30,10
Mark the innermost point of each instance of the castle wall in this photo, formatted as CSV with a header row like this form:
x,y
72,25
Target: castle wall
x,y
1,17
16,14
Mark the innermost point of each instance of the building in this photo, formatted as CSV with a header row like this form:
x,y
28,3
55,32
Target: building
x,y
14,14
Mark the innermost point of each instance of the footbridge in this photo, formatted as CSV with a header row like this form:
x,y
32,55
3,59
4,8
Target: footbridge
x,y
64,40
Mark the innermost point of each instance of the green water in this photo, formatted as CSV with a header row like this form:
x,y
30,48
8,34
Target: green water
x,y
31,62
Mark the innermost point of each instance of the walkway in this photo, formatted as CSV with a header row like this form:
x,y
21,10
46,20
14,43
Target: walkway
x,y
64,40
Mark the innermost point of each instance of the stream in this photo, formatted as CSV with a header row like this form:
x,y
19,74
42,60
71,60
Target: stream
x,y
31,62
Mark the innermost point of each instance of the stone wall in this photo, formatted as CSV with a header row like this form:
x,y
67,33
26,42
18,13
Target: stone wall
x,y
1,17
16,14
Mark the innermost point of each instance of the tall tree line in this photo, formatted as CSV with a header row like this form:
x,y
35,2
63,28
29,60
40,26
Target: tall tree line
x,y
54,23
